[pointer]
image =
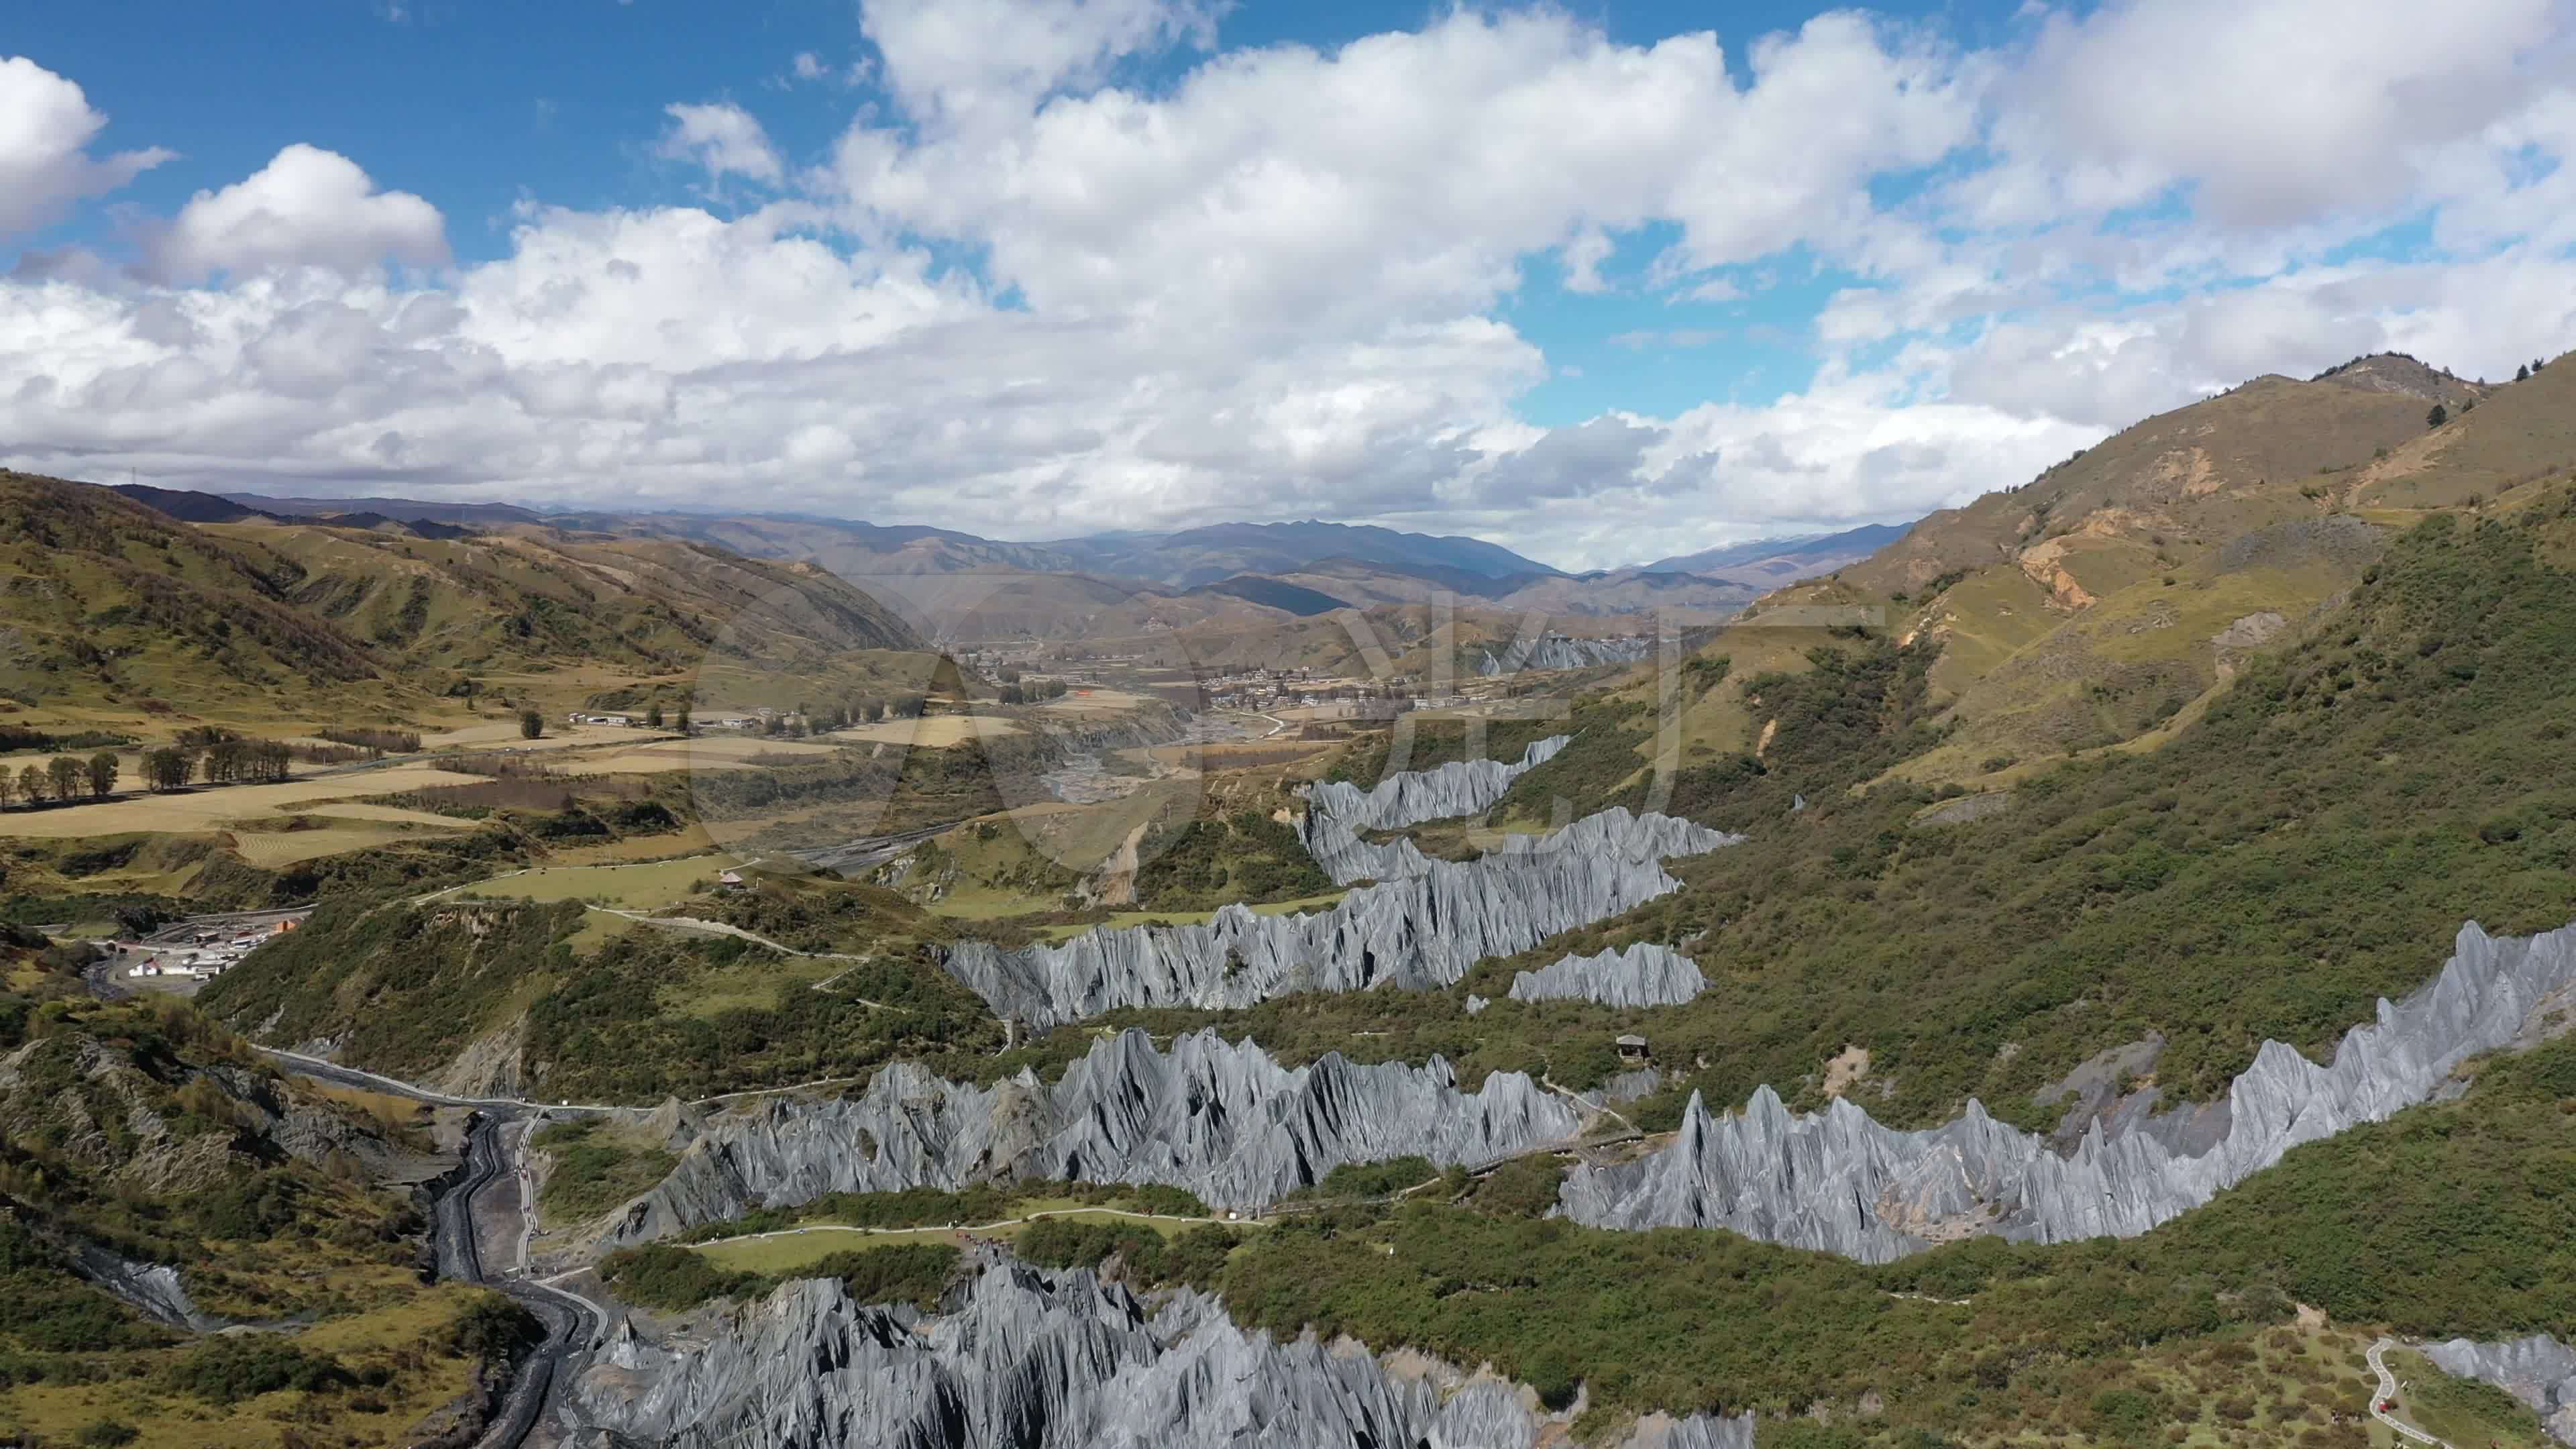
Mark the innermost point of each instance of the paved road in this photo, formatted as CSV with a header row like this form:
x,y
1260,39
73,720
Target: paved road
x,y
2386,1393
330,1071
573,1325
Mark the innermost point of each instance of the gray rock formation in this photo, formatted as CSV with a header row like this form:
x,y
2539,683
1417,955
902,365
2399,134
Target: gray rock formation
x,y
152,1288
1640,975
1559,651
1028,1359
1225,1121
1841,1182
1339,811
2538,1370
1423,931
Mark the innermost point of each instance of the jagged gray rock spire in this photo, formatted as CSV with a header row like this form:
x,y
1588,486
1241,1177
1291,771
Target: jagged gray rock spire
x,y
1841,1182
1337,811
1419,932
2538,1370
1640,975
1225,1121
1560,651
1028,1359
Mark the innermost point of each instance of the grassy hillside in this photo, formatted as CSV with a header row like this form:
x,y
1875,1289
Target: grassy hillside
x,y
145,1131
2118,591
556,1000
2309,844
105,598
2448,1219
109,603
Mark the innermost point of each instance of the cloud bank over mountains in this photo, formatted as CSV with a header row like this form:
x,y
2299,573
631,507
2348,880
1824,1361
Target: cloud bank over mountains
x,y
1027,293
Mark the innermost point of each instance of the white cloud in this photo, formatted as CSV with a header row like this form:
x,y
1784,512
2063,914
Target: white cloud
x,y
307,207
2276,111
1271,284
1404,175
724,138
46,126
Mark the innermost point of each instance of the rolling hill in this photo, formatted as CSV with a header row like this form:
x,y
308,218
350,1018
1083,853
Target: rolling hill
x,y
1771,562
1204,555
2108,600
110,600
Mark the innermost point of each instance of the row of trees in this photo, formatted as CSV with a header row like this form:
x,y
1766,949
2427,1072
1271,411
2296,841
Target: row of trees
x,y
61,779
1033,692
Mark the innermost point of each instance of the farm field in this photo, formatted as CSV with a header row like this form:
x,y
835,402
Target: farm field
x,y
937,731
211,808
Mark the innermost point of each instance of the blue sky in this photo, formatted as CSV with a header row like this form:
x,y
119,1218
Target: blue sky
x,y
1037,266
479,107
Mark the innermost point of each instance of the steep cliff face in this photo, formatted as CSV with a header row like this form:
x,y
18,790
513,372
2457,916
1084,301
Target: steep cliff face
x,y
2538,1370
1641,975
1421,931
1033,1360
1223,1120
1840,1181
1338,811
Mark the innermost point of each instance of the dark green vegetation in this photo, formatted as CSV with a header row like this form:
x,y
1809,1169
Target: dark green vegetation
x,y
593,1171
658,1275
2452,1218
648,1014
1242,855
929,1207
1195,1256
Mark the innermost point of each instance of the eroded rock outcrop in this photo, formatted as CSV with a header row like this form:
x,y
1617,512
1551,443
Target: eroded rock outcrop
x,y
1841,1182
1559,651
1423,931
2538,1370
1036,1360
1338,811
1223,1120
1640,975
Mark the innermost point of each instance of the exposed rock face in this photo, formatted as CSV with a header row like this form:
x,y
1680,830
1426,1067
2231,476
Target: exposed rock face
x,y
1641,975
1223,1120
1035,1360
1841,1182
1558,651
1338,811
2538,1370
1423,931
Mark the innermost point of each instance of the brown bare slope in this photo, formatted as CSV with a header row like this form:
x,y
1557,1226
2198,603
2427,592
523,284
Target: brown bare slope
x,y
2104,602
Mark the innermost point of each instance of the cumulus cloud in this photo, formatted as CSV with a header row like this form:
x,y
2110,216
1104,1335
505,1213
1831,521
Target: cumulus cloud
x,y
1274,282
2273,111
725,139
307,207
46,126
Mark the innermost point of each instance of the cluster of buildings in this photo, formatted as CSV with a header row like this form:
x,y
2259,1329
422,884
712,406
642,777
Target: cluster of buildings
x,y
203,955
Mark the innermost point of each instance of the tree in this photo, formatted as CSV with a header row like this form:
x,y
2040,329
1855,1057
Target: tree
x,y
63,775
31,783
8,788
681,723
2538,363
653,716
532,725
103,770
2522,374
167,768
2438,416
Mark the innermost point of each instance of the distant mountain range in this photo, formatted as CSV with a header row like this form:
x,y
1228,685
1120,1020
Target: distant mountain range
x,y
1768,563
954,585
